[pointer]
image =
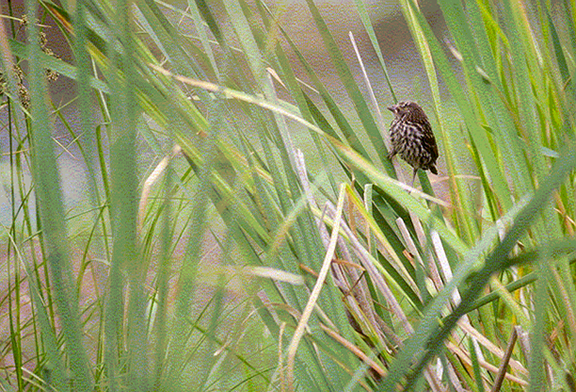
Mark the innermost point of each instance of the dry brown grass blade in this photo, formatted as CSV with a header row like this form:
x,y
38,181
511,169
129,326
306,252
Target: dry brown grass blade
x,y
354,349
488,366
502,371
494,349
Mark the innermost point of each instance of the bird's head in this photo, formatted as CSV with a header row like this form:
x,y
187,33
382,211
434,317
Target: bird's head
x,y
408,110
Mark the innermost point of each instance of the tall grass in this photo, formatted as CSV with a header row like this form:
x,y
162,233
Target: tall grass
x,y
243,229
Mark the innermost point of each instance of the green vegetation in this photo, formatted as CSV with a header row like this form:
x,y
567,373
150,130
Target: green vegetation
x,y
242,228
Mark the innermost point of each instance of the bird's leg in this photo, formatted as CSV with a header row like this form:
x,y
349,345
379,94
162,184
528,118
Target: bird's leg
x,y
413,177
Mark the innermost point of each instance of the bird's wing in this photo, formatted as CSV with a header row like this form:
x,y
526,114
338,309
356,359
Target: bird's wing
x,y
430,140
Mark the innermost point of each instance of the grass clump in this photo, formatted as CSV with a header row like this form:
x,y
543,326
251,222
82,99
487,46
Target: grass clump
x,y
242,227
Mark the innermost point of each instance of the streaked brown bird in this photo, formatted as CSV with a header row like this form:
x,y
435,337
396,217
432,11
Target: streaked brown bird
x,y
412,138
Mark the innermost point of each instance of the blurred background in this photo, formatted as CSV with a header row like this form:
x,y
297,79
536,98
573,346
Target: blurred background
x,y
404,66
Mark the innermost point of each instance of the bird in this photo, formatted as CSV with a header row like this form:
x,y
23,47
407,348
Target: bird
x,y
412,138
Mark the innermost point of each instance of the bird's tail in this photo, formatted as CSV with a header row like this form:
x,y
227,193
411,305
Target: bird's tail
x,y
433,169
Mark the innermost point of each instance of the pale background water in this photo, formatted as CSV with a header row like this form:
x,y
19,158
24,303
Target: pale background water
x,y
405,69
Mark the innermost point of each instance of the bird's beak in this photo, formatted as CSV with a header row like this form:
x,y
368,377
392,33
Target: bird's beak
x,y
392,108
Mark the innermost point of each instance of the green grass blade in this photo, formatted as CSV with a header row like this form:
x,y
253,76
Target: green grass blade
x,y
51,211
